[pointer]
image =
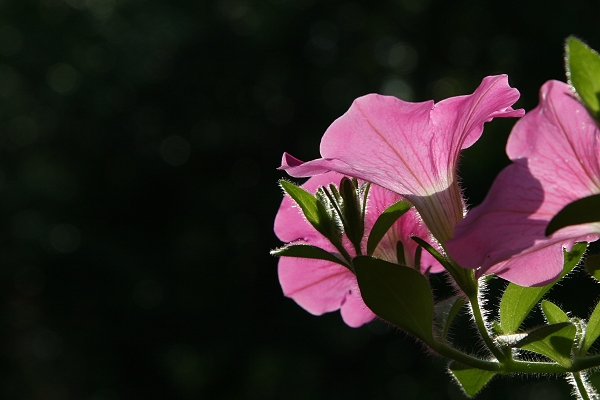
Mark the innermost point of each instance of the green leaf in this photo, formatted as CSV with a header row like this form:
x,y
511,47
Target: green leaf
x,y
583,73
328,223
464,278
592,331
400,254
444,313
431,250
470,379
580,211
384,223
307,251
306,201
553,341
354,222
518,301
553,313
398,294
592,266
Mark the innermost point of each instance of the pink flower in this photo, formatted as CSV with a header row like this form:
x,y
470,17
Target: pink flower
x,y
555,152
411,148
322,286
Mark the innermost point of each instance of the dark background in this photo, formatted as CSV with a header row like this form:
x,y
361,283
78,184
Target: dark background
x,y
138,147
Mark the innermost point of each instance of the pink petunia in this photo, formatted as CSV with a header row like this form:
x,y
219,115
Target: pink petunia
x,y
322,286
411,148
555,151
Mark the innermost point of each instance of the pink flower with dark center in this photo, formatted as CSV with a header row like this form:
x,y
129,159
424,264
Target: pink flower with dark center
x,y
321,286
411,148
555,151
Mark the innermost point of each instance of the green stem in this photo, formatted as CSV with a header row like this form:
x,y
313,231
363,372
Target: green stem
x,y
586,362
456,355
483,331
532,367
581,387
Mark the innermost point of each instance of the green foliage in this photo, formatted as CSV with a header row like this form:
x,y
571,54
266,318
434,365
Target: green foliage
x,y
307,251
431,250
307,203
464,278
553,313
398,294
592,331
384,223
352,211
553,341
583,73
401,256
444,313
327,223
518,301
470,379
592,266
580,211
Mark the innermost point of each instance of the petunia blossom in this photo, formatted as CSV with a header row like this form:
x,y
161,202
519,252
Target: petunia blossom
x,y
555,151
321,286
411,148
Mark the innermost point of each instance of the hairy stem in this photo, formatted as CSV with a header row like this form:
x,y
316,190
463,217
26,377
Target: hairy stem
x,y
456,355
582,387
483,330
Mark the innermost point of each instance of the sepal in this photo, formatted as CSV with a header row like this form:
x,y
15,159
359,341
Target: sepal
x,y
352,210
384,223
464,278
314,210
308,251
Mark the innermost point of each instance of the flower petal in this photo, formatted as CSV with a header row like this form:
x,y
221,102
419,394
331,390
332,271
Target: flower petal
x,y
319,286
411,148
354,310
555,153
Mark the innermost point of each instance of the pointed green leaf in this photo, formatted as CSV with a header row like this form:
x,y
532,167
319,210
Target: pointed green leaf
x,y
398,294
553,313
464,278
444,313
354,222
417,259
592,331
431,250
580,211
327,209
592,266
307,251
553,341
306,201
583,73
400,256
470,379
518,301
384,223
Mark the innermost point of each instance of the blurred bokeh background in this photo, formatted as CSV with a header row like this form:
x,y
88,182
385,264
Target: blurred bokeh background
x,y
138,147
